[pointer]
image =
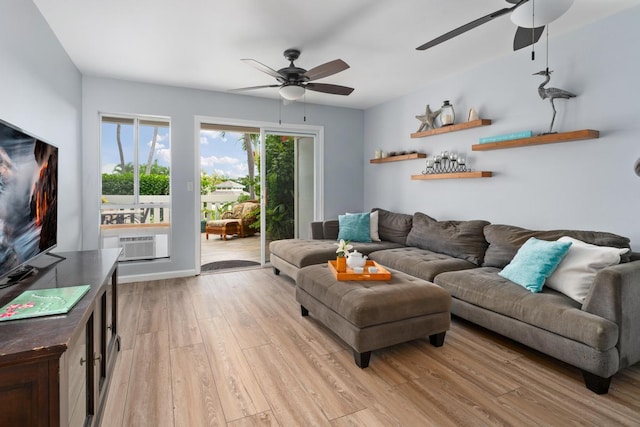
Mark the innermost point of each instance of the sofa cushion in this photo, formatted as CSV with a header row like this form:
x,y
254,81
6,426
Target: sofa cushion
x,y
420,263
460,239
354,227
330,229
505,240
221,222
393,227
301,253
534,262
549,310
237,210
249,209
577,271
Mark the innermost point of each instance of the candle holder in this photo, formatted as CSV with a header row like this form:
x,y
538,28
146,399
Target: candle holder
x,y
446,162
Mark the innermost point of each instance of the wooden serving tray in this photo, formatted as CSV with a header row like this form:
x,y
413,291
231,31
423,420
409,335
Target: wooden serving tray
x,y
382,274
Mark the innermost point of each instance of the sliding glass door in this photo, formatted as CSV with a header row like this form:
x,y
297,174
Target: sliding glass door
x,y
229,196
305,185
289,185
279,176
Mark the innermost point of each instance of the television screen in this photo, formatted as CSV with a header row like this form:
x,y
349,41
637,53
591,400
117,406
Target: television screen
x,y
28,198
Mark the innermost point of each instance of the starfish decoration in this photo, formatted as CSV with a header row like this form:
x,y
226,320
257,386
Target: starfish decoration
x,y
427,119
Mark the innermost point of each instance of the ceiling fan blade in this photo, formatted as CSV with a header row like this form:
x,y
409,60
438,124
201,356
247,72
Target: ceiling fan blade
x,y
326,70
524,38
252,88
471,25
261,67
327,88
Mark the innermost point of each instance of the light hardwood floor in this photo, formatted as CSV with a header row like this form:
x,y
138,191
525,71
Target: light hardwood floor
x,y
234,248
231,349
216,249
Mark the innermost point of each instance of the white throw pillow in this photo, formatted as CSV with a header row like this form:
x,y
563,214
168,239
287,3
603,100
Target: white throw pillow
x,y
577,271
373,226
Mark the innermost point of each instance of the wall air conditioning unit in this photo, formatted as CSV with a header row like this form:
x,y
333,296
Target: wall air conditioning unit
x,y
137,247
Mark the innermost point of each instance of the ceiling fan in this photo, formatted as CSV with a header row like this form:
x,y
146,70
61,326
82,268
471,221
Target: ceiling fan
x,y
530,16
293,81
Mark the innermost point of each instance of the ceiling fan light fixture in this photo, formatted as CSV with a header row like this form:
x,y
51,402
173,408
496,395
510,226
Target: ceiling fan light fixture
x,y
292,92
543,12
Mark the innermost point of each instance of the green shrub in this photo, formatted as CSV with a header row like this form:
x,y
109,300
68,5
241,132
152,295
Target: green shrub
x,y
122,184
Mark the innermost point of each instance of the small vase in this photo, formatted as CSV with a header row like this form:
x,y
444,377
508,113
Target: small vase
x,y
341,264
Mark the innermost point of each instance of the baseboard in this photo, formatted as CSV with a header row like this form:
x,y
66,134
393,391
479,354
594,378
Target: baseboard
x,y
155,276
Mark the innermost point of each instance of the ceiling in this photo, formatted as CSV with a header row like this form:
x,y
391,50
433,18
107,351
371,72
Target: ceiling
x,y
199,43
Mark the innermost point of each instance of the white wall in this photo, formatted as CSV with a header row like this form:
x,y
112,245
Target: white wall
x,y
42,94
586,185
343,145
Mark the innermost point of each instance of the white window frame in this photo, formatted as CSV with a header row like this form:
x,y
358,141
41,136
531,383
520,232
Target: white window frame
x,y
162,230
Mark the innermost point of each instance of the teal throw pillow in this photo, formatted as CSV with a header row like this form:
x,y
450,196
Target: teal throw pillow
x,y
534,262
355,227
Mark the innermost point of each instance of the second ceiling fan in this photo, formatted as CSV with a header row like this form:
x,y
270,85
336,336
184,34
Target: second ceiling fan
x,y
531,16
293,81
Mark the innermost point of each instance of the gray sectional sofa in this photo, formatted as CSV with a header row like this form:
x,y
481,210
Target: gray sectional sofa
x,y
600,335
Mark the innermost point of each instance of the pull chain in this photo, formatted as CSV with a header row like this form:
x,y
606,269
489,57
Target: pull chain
x,y
533,30
547,46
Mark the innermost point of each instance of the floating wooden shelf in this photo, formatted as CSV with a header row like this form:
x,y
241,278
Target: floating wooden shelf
x,y
458,175
452,128
551,138
399,158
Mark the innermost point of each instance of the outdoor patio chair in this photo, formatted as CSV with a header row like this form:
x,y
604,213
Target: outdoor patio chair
x,y
236,221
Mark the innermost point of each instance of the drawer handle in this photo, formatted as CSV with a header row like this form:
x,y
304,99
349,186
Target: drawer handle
x,y
82,361
96,359
110,327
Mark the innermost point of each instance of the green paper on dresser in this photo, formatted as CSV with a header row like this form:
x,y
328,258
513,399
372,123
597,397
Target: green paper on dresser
x,y
43,302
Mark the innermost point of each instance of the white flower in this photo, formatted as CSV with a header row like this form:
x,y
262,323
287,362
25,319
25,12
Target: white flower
x,y
343,247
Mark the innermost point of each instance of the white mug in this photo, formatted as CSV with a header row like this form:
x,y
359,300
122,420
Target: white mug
x,y
358,270
373,270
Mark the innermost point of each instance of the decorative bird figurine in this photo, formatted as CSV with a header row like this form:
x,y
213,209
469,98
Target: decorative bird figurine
x,y
427,119
552,93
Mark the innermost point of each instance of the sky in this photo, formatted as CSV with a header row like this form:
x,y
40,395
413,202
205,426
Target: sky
x,y
223,154
219,153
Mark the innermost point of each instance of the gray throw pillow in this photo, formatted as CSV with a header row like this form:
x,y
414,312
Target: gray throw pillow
x,y
505,240
393,227
459,239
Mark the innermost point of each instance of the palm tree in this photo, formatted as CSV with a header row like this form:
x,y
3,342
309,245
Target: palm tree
x,y
120,151
152,149
249,143
122,168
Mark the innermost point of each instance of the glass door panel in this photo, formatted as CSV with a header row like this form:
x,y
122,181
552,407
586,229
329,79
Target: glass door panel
x,y
289,186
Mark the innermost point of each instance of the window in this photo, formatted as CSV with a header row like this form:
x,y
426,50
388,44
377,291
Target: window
x,y
136,175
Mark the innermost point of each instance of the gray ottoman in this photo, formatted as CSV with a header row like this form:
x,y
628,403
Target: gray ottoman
x,y
369,315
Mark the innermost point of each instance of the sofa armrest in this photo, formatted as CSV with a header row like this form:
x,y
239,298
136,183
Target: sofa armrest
x,y
615,295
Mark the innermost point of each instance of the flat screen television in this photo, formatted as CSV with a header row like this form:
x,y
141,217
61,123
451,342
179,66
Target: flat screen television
x,y
28,200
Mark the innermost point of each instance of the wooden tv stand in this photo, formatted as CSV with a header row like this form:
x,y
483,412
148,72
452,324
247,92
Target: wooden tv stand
x,y
55,370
